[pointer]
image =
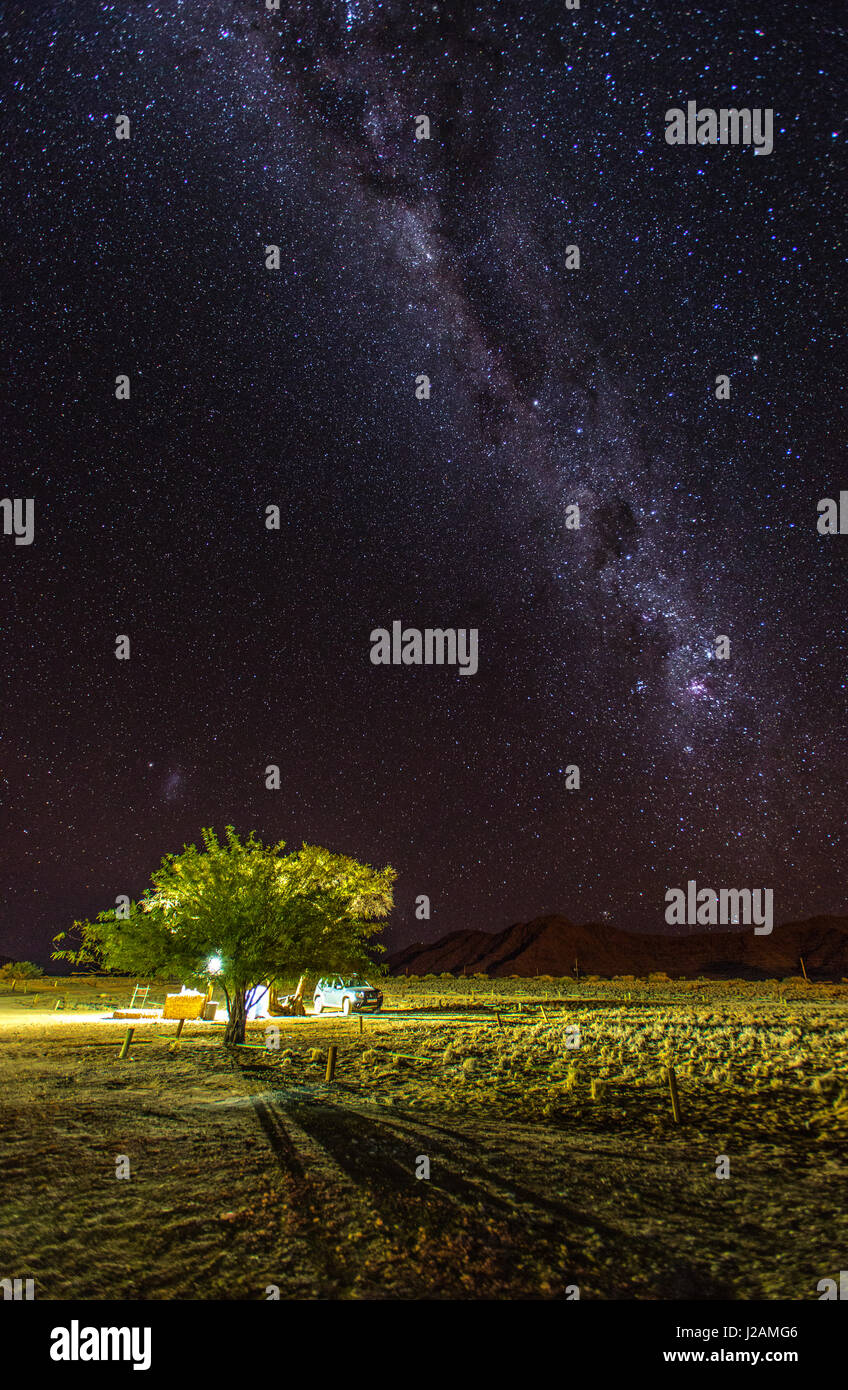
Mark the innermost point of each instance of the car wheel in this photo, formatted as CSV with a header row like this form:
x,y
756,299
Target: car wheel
x,y
346,1007
319,1004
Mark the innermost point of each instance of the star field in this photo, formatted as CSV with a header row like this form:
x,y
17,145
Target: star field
x,y
551,387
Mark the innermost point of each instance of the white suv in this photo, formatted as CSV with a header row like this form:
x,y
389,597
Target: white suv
x,y
351,994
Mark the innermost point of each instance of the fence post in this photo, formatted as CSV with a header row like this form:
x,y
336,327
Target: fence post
x,y
331,1063
125,1045
672,1091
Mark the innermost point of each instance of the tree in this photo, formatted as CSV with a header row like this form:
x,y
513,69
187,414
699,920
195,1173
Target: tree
x,y
20,970
254,910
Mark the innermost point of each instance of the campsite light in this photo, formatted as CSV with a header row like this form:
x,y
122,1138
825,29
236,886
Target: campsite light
x,y
215,965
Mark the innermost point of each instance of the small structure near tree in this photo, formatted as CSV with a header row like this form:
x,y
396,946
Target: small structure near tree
x,y
287,1005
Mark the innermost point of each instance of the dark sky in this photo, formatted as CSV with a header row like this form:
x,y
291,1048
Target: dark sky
x,y
550,387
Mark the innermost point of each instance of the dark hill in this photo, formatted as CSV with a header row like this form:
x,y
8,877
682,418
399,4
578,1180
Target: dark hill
x,y
550,945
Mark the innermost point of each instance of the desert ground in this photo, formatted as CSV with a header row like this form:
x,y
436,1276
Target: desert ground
x,y
556,1166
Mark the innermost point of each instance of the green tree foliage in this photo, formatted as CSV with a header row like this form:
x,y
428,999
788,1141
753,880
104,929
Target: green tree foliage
x,y
263,913
20,970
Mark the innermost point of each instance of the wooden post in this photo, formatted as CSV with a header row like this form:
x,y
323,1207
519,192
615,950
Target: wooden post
x,y
595,1089
498,1017
180,1027
125,1045
544,1015
361,1024
672,1091
803,970
331,1063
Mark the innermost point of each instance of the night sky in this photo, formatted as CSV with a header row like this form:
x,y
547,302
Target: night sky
x,y
550,387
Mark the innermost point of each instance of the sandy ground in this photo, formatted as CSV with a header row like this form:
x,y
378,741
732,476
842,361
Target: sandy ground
x,y
250,1173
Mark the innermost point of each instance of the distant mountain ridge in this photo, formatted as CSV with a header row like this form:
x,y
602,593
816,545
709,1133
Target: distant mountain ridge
x,y
549,946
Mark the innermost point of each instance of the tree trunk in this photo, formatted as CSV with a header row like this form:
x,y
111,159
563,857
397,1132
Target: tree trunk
x,y
234,1031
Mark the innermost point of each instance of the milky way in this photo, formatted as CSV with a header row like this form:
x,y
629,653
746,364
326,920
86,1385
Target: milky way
x,y
551,387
